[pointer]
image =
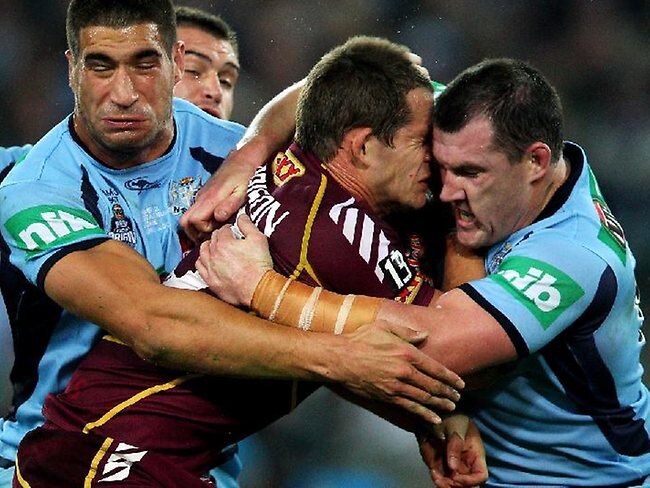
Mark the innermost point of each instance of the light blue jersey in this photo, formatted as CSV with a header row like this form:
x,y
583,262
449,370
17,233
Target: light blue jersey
x,y
10,155
574,410
59,199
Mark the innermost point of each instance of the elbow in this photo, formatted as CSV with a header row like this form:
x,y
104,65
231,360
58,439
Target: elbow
x,y
153,352
151,345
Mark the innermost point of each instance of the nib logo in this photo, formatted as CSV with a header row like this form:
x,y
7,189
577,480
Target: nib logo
x,y
543,289
119,463
41,228
537,286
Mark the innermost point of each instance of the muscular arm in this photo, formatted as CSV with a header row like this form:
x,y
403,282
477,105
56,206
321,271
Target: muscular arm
x,y
271,129
461,334
115,287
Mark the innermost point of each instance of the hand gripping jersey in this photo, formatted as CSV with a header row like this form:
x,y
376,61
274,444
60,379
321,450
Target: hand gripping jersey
x,y
573,411
314,226
59,199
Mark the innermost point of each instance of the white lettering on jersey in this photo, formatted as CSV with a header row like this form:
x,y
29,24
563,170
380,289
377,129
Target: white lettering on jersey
x,y
537,286
119,463
57,224
399,271
262,205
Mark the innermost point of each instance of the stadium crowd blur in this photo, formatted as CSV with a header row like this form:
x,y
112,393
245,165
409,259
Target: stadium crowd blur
x,y
594,52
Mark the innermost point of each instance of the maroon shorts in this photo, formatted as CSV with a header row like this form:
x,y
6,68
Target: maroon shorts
x,y
43,461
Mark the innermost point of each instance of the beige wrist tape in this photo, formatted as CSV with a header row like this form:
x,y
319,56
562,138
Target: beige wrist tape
x,y
295,304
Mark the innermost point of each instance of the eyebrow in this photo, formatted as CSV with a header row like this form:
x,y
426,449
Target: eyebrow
x,y
147,53
207,58
103,58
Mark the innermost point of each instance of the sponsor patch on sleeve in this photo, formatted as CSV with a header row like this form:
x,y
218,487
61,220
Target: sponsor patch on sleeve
x,y
543,289
44,227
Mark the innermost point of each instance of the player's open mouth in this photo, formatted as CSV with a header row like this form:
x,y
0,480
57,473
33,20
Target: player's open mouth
x,y
464,217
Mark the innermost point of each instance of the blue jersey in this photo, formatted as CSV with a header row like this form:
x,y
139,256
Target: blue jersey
x,y
60,199
10,155
573,411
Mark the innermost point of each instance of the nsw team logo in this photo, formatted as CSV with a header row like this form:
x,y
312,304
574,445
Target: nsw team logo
x,y
543,289
182,194
141,184
45,227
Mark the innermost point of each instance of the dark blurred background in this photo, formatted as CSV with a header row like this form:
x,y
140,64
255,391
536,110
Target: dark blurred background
x,y
594,52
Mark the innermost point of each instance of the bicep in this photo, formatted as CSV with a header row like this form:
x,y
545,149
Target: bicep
x,y
103,284
462,335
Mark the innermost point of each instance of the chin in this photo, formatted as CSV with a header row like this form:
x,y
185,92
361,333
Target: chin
x,y
472,240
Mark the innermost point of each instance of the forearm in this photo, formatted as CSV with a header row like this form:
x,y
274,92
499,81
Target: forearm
x,y
273,126
114,287
295,304
460,334
461,264
193,331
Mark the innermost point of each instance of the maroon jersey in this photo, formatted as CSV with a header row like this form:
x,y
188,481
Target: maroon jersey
x,y
318,234
55,458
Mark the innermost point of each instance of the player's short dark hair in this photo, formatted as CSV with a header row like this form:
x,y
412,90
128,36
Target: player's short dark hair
x,y
361,83
521,104
210,23
119,14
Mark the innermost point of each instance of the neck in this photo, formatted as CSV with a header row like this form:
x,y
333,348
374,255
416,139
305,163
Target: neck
x,y
350,179
560,175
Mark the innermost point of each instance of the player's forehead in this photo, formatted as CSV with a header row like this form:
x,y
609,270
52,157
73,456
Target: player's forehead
x,y
471,143
420,103
205,46
120,42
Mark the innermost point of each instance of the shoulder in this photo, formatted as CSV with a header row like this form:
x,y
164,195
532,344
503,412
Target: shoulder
x,y
188,116
50,157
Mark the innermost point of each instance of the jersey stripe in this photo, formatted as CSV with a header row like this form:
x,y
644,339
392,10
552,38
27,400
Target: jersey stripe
x,y
92,472
135,399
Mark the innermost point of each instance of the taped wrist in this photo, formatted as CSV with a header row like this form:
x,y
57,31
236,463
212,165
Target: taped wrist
x,y
289,302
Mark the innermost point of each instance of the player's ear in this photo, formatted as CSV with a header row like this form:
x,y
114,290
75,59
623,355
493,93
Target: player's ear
x,y
71,61
358,140
538,157
178,60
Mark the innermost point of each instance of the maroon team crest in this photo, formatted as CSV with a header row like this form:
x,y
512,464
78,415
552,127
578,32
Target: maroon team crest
x,y
285,167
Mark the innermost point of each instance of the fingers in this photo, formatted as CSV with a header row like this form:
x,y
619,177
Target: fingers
x,y
218,200
428,366
197,226
227,207
431,392
246,225
417,409
454,451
